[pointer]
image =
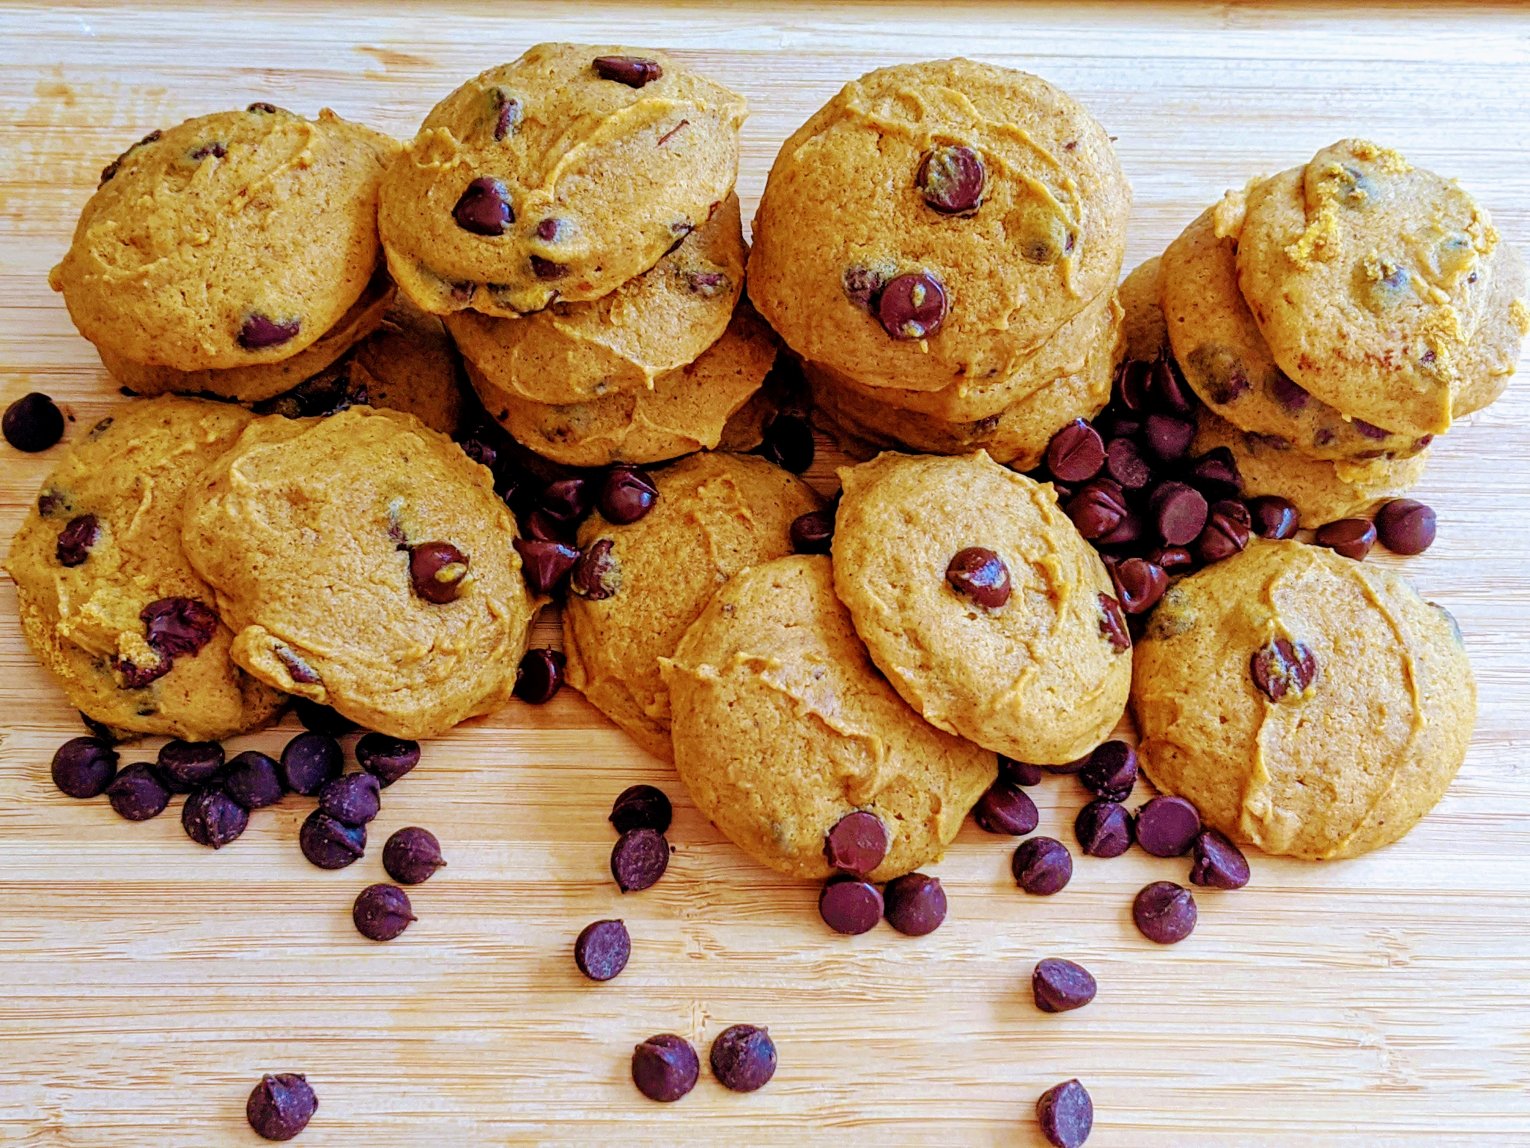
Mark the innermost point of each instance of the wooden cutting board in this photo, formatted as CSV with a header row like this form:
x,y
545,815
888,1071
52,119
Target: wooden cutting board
x,y
146,983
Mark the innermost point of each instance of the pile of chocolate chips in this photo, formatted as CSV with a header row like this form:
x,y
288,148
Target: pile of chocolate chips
x,y
913,904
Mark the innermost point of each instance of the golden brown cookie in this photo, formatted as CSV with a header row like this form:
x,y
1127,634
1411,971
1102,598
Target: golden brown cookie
x,y
1493,356
935,223
782,726
109,602
365,562
715,515
1144,336
409,364
1029,656
231,240
651,325
559,176
1312,705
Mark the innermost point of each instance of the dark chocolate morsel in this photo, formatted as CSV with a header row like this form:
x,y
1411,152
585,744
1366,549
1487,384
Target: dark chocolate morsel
x,y
743,1058
382,912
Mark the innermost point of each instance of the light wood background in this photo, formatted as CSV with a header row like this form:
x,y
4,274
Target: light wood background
x,y
146,983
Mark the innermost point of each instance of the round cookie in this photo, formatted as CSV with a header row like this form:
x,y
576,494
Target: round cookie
x,y
111,606
1144,335
230,240
1364,275
1322,490
687,410
1226,362
552,178
1041,676
949,180
716,514
782,726
650,325
307,530
1364,716
1493,356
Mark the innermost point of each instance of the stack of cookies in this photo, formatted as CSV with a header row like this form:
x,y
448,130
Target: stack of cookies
x,y
571,216
940,245
1336,317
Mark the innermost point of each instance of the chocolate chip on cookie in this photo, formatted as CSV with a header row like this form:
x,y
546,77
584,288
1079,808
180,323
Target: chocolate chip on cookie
x,y
1283,667
857,843
951,179
258,332
596,575
438,571
912,306
507,112
980,576
484,208
634,71
76,540
1113,624
178,626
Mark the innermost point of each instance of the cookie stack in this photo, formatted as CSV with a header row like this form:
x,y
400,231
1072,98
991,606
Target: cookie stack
x,y
1336,317
940,245
571,216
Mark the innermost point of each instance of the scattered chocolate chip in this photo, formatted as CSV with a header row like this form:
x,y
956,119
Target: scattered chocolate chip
x,y
1066,1114
665,1067
309,761
541,526
912,306
507,113
1097,508
1271,516
1113,624
1179,513
258,332
329,842
641,807
438,571
1215,474
1166,826
138,793
84,766
382,912
1172,560
1061,986
76,540
186,765
1139,584
857,843
601,950
539,676
743,1058
412,855
626,494
1226,531
638,859
1166,390
1103,828
951,179
178,626
253,779
849,905
980,576
1219,864
354,799
386,758
1019,772
1164,912
321,719
1076,453
211,817
1125,464
634,71
1351,537
569,499
1133,388
1006,808
282,1104
545,565
1111,772
1282,667
1403,525
1042,865
1168,438
915,904
813,532
484,207
546,269
789,443
596,575
1129,530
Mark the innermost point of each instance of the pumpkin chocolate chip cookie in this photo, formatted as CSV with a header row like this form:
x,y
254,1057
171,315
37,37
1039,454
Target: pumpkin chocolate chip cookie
x,y
1310,704
982,604
364,561
109,601
783,727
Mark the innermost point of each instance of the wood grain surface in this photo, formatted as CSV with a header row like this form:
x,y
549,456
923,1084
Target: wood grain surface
x,y
145,983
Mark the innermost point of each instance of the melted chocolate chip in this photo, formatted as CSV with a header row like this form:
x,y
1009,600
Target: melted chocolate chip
x,y
261,331
951,179
546,270
980,576
634,71
596,575
506,110
1113,624
1288,393
1283,667
484,207
177,627
76,540
863,285
912,306
438,572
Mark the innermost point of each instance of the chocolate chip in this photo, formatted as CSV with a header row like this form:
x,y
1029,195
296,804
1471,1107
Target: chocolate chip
x,y
84,766
354,799
262,108
382,912
1282,667
282,1104
1164,912
1403,525
915,904
626,494
1129,530
387,758
412,855
1061,986
1271,516
601,950
1097,508
111,169
1125,464
1179,513
707,284
545,565
1132,387
52,503
186,765
1042,865
136,677
1288,393
178,626
788,443
1066,768
665,1067
634,71
569,499
1369,430
672,133
1018,772
546,269
596,575
980,576
912,306
138,793
211,817
849,905
258,332
484,207
1215,474
1226,532
862,285
1006,808
1219,864
1103,828
1172,560
743,1058
253,780
1166,826
540,526
329,842
438,572
1076,453
857,843
213,149
539,676
301,671
1113,624
1168,438
309,761
641,807
812,533
638,859
1166,390
507,112
951,179
76,539
321,719
1139,584
1351,537
1111,772
1066,1114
